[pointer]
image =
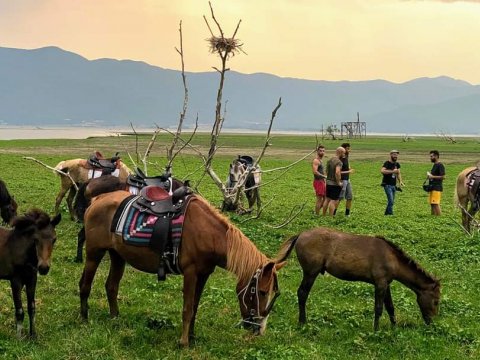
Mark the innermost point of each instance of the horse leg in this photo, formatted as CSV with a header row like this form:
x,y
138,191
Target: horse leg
x,y
85,285
389,305
60,196
380,290
302,293
16,285
201,281
117,267
70,197
80,242
258,199
189,289
31,285
471,214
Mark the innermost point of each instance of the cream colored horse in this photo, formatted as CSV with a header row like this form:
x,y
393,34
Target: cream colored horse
x,y
78,169
463,196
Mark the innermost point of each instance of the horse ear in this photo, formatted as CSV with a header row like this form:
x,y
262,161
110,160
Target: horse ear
x,y
56,220
279,265
24,224
267,269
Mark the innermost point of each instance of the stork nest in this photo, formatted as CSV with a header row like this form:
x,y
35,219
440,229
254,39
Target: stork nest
x,y
229,46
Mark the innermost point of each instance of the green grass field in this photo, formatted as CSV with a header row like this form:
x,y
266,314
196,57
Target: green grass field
x,y
340,313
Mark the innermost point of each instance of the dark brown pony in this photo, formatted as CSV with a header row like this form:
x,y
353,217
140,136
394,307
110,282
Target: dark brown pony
x,y
78,170
374,260
465,198
24,250
209,240
8,205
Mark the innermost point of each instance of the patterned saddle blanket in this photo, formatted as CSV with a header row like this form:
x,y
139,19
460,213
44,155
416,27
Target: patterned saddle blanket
x,y
142,226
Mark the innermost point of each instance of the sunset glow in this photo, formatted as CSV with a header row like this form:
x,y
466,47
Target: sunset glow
x,y
396,40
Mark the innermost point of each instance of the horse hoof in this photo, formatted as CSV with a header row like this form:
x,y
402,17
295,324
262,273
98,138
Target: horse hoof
x,y
182,344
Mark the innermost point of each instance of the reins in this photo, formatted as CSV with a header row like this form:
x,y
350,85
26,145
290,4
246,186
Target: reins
x,y
254,311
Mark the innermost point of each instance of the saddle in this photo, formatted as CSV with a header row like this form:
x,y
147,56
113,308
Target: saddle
x,y
97,161
157,201
139,180
473,185
246,160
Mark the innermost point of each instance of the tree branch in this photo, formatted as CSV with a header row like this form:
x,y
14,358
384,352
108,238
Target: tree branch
x,y
52,168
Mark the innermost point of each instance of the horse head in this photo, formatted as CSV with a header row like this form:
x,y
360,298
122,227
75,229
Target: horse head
x,y
428,300
258,297
39,227
237,168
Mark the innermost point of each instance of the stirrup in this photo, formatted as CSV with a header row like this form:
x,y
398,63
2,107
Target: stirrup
x,y
161,276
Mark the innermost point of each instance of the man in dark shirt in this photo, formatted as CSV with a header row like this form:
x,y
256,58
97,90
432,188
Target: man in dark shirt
x,y
435,179
346,192
391,172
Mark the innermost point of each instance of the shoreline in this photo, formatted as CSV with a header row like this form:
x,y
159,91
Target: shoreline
x,y
78,132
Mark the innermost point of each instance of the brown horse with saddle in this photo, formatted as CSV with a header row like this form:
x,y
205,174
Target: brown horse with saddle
x,y
81,170
207,239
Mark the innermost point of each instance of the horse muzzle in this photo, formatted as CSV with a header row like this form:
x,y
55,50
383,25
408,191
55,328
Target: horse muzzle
x,y
43,269
257,325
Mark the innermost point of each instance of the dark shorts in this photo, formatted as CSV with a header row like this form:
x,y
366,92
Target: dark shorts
x,y
333,192
320,187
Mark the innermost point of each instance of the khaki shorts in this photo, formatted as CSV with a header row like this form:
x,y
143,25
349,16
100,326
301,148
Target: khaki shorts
x,y
434,197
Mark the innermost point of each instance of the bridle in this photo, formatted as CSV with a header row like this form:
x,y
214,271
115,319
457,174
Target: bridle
x,y
250,292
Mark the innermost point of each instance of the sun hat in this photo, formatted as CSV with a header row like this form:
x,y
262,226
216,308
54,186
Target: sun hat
x,y
394,152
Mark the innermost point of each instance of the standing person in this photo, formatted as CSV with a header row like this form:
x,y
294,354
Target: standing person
x,y
435,179
334,182
319,178
391,172
346,192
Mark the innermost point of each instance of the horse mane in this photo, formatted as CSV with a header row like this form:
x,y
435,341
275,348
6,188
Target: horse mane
x,y
407,260
4,195
33,217
243,257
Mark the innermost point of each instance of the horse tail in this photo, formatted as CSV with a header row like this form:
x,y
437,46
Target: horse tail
x,y
286,249
456,200
81,202
61,167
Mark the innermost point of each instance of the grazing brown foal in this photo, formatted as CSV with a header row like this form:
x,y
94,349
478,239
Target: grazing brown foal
x,y
23,251
374,260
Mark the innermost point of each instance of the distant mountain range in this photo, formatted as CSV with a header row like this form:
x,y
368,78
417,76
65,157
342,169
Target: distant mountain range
x,y
50,86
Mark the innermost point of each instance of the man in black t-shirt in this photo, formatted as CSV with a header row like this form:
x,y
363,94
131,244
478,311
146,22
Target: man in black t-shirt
x,y
391,172
346,192
435,179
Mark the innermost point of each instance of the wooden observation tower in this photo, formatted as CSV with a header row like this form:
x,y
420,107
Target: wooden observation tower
x,y
354,129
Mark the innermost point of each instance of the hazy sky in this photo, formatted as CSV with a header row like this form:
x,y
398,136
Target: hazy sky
x,y
396,40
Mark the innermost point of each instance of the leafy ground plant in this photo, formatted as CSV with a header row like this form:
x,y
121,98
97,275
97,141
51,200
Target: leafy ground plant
x,y
340,313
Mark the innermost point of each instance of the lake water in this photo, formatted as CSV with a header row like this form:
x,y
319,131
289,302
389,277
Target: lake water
x,y
34,132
